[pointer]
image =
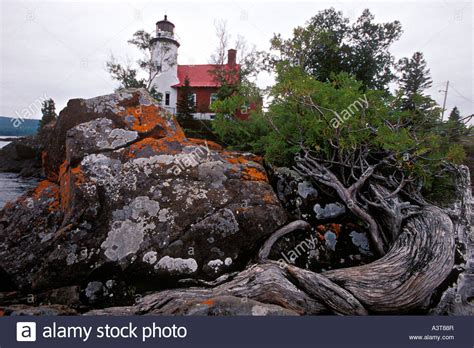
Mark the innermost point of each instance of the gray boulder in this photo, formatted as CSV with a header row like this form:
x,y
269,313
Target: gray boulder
x,y
134,201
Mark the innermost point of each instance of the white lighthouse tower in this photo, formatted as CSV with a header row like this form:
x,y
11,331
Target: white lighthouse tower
x,y
165,56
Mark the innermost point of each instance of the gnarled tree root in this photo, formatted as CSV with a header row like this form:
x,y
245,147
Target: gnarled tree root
x,y
417,263
291,227
402,280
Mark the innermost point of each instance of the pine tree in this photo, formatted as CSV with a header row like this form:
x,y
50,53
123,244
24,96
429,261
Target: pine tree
x,y
185,106
415,78
49,113
455,127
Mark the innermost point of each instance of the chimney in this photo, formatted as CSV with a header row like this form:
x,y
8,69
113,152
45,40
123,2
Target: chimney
x,y
232,57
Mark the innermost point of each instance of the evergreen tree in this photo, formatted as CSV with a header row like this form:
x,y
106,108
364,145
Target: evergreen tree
x,y
415,78
455,127
185,106
49,113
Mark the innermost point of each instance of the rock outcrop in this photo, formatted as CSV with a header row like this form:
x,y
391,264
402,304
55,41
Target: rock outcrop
x,y
22,156
131,204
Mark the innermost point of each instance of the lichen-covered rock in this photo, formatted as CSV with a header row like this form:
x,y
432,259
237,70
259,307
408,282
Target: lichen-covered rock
x,y
130,199
22,156
329,211
296,194
131,112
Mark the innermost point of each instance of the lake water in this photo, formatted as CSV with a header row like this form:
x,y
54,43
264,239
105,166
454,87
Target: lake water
x,y
3,143
11,186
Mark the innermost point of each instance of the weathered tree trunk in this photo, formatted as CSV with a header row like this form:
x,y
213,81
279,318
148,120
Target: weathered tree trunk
x,y
457,296
416,264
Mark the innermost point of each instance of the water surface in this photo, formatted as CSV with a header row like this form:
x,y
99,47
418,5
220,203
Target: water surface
x,y
12,186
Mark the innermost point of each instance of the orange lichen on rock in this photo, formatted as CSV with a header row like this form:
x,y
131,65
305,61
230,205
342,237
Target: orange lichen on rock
x,y
46,190
336,228
69,179
206,143
236,160
208,302
169,145
148,118
63,169
253,174
255,158
78,175
269,198
239,158
45,187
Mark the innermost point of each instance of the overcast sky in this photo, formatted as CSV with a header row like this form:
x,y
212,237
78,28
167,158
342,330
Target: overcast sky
x,y
58,49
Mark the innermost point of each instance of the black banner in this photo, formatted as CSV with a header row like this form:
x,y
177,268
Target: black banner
x,y
292,332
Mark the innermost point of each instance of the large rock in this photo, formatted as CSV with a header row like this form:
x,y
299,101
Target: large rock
x,y
22,156
129,199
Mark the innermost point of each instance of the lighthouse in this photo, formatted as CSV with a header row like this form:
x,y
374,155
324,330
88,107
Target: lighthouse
x,y
169,77
164,52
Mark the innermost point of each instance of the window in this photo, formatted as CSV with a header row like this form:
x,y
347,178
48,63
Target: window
x,y
193,99
167,98
213,98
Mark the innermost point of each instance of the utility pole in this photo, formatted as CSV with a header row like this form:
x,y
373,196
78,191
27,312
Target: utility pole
x,y
445,97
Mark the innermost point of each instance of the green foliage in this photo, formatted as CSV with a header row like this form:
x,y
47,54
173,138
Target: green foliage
x,y
142,40
200,129
339,120
455,128
456,154
441,189
227,78
125,75
328,44
242,135
185,106
48,110
246,135
414,79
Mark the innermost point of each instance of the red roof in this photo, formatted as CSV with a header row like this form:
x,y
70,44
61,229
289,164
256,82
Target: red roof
x,y
199,75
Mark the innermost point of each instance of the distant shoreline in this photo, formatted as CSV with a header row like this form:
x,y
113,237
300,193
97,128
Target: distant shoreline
x,y
9,138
